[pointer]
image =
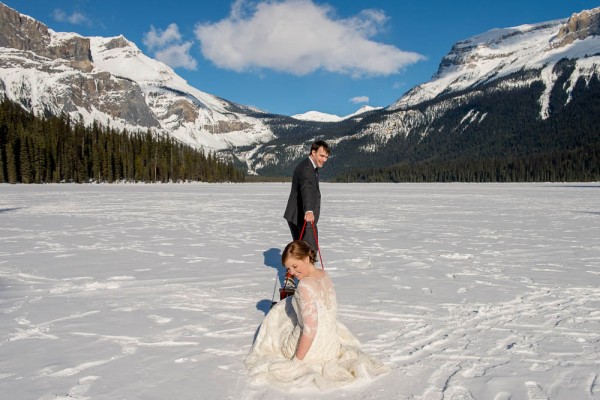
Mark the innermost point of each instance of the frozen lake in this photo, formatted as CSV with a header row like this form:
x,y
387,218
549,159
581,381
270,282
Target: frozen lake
x,y
468,291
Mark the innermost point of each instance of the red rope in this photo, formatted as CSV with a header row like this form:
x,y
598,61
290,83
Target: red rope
x,y
316,240
303,228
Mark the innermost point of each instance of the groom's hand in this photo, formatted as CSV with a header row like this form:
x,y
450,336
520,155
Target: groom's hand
x,y
309,216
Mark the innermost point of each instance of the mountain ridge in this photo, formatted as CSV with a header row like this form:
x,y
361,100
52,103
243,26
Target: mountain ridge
x,y
547,68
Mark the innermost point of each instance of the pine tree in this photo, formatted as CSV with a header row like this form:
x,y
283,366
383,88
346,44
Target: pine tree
x,y
11,163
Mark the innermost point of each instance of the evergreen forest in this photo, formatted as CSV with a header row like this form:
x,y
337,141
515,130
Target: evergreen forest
x,y
579,165
56,149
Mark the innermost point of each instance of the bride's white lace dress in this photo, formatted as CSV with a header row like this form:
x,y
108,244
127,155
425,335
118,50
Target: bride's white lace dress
x,y
334,358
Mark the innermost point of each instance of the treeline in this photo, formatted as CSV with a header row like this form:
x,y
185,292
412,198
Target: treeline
x,y
56,149
266,178
579,165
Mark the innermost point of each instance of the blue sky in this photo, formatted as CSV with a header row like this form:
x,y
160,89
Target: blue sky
x,y
294,56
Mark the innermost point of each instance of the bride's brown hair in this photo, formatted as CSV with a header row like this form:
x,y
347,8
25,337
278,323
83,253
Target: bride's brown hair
x,y
299,250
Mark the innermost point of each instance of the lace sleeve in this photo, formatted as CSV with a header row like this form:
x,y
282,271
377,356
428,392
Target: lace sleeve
x,y
307,299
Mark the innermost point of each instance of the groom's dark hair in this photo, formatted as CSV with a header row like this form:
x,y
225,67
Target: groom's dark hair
x,y
318,144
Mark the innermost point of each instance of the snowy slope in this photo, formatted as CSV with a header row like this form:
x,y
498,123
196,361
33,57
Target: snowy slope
x,y
215,126
121,57
499,53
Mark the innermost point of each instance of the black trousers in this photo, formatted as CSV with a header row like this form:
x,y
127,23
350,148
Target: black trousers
x,y
309,234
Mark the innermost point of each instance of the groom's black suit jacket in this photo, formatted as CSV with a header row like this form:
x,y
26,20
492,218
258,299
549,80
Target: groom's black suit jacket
x,y
305,194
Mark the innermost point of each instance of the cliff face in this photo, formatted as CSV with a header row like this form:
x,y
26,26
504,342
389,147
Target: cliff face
x,y
26,34
21,32
580,26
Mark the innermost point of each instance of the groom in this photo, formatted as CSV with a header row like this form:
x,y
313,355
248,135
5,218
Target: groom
x,y
304,203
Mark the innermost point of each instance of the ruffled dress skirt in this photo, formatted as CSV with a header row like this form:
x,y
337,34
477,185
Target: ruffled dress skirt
x,y
334,359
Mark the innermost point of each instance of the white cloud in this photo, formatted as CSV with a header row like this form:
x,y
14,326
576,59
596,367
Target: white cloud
x,y
300,37
369,22
177,56
76,18
167,46
160,39
359,99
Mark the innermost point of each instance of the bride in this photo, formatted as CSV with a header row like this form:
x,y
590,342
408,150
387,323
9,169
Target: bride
x,y
300,341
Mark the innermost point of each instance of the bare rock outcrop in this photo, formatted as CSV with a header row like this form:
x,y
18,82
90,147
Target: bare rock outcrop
x,y
579,26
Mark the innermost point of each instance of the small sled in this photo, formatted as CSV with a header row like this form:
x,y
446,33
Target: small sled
x,y
288,288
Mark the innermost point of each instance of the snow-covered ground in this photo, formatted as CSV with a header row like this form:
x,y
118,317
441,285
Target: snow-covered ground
x,y
467,291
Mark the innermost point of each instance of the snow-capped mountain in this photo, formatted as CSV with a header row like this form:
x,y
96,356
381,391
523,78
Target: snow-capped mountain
x,y
510,92
499,53
111,81
318,116
548,60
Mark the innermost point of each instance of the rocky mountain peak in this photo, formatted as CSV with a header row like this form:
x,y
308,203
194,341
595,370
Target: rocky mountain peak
x,y
579,26
117,43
